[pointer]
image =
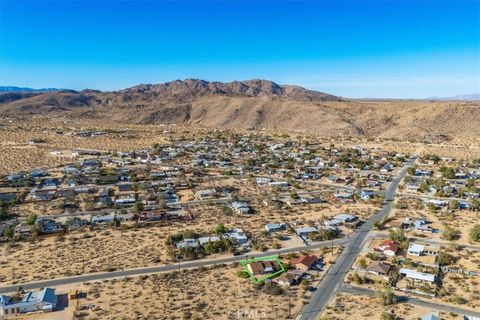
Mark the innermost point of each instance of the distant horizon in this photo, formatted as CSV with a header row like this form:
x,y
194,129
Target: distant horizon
x,y
45,89
367,49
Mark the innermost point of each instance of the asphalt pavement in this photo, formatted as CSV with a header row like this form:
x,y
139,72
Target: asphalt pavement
x,y
415,301
335,275
163,268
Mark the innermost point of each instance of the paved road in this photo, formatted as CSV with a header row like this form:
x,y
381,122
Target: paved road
x,y
382,235
164,268
414,301
334,277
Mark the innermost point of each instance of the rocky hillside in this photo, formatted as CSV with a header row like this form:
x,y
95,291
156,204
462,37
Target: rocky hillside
x,y
254,104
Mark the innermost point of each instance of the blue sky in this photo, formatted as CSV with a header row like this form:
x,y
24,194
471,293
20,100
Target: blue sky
x,y
383,48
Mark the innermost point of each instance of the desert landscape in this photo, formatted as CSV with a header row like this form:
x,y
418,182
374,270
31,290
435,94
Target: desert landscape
x,y
239,160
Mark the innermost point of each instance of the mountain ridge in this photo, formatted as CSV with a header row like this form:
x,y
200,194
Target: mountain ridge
x,y
252,105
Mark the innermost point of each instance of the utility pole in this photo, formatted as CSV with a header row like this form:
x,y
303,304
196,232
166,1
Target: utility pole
x,y
83,264
13,274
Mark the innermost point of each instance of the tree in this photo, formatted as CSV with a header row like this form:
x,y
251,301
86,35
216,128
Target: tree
x,y
273,289
445,259
243,274
377,224
475,205
411,171
447,172
8,232
3,215
475,233
362,263
450,233
386,297
220,229
323,235
397,235
424,187
227,210
138,207
31,219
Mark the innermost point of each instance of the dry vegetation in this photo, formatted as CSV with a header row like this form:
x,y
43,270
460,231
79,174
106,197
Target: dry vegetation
x,y
348,306
188,294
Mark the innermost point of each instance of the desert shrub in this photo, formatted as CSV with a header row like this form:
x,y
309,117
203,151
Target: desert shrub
x,y
475,233
386,297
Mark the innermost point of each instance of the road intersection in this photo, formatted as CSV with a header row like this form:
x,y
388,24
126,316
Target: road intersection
x,y
333,280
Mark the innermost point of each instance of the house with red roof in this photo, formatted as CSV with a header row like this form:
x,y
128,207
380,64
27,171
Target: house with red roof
x,y
304,263
388,247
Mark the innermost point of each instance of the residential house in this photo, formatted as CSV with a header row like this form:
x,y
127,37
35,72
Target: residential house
x,y
311,199
125,187
335,179
344,195
278,184
417,276
366,194
187,243
240,207
47,226
237,236
274,227
125,201
305,231
416,249
431,316
263,181
289,278
204,240
263,267
8,196
304,262
388,247
379,268
206,194
103,219
22,230
75,222
44,300
422,225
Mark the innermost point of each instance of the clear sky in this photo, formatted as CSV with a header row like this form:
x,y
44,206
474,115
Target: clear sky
x,y
383,48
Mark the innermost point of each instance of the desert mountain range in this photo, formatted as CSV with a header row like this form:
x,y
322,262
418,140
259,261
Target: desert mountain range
x,y
253,105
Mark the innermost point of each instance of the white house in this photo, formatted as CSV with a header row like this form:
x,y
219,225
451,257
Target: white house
x,y
237,236
304,232
415,249
204,240
240,207
206,194
44,300
273,227
418,276
278,184
187,243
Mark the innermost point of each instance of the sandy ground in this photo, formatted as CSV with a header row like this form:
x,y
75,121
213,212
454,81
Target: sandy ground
x,y
349,306
17,154
114,249
460,220
186,294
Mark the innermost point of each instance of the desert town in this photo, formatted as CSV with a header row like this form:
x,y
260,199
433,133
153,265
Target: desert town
x,y
285,223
